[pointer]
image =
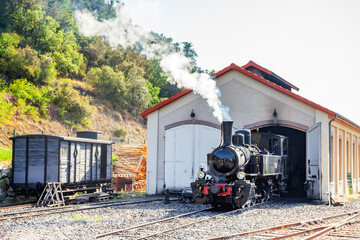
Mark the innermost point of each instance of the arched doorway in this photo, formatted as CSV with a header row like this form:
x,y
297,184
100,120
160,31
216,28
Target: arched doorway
x,y
296,157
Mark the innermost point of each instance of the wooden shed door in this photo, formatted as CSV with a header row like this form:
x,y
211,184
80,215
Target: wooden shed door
x,y
186,148
313,158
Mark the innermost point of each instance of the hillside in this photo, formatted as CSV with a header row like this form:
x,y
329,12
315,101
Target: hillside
x,y
103,118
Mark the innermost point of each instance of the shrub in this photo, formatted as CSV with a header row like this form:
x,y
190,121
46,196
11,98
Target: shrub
x,y
7,110
74,108
5,154
120,132
30,98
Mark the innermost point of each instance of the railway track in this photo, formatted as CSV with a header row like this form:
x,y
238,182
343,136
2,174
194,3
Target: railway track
x,y
17,206
151,229
305,230
349,231
49,211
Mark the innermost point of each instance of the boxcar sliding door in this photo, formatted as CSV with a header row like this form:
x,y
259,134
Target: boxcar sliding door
x,y
52,168
103,164
64,162
19,167
88,163
96,156
36,153
109,162
82,161
73,156
106,162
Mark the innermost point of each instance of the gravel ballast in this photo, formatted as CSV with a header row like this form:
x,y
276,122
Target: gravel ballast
x,y
89,223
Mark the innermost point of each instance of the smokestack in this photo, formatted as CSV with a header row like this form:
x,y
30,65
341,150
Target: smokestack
x,y
226,131
247,135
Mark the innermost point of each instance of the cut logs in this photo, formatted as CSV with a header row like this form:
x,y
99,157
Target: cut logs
x,y
131,163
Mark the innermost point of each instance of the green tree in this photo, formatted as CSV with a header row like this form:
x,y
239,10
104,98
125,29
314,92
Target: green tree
x,y
69,61
20,63
110,84
157,77
95,51
131,60
16,62
113,57
137,94
47,38
104,8
26,21
45,35
61,11
8,40
154,93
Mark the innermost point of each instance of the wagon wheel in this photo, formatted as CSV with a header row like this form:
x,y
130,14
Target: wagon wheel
x,y
182,199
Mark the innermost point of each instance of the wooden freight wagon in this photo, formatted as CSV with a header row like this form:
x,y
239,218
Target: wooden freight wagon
x,y
72,161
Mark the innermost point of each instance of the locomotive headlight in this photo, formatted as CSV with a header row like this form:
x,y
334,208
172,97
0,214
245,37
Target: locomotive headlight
x,y
201,174
240,175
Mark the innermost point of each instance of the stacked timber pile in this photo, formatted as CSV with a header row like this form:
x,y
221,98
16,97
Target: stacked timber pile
x,y
131,162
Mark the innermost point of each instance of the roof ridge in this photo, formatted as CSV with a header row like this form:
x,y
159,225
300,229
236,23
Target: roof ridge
x,y
251,63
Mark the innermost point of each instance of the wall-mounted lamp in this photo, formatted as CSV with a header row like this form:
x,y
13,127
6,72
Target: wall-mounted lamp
x,y
192,114
274,113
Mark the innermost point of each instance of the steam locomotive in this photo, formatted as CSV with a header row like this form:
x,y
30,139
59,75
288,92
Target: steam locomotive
x,y
242,171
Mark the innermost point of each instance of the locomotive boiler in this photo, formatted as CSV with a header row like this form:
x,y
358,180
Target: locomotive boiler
x,y
240,171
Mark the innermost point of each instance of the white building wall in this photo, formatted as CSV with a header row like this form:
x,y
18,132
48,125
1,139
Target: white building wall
x,y
249,101
324,153
152,152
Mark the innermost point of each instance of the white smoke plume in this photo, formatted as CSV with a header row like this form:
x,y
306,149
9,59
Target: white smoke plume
x,y
120,31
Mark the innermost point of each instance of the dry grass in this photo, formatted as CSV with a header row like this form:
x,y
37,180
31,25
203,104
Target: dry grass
x,y
83,87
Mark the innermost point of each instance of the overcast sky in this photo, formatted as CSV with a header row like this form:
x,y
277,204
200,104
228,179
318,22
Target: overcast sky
x,y
314,45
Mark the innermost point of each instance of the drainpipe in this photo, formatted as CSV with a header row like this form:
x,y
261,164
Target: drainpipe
x,y
330,150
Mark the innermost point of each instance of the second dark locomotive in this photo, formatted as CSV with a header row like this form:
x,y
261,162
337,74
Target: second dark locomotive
x,y
242,171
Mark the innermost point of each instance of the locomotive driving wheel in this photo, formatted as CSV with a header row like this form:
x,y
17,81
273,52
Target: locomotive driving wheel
x,y
240,199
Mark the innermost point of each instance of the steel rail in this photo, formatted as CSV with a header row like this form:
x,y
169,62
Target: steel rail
x,y
331,227
299,233
17,206
249,207
311,230
153,222
189,224
73,207
284,226
76,209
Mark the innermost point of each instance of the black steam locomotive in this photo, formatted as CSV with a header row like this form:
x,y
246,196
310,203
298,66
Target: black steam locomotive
x,y
241,171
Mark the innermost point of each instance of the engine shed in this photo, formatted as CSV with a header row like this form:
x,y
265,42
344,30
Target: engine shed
x,y
39,159
323,146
